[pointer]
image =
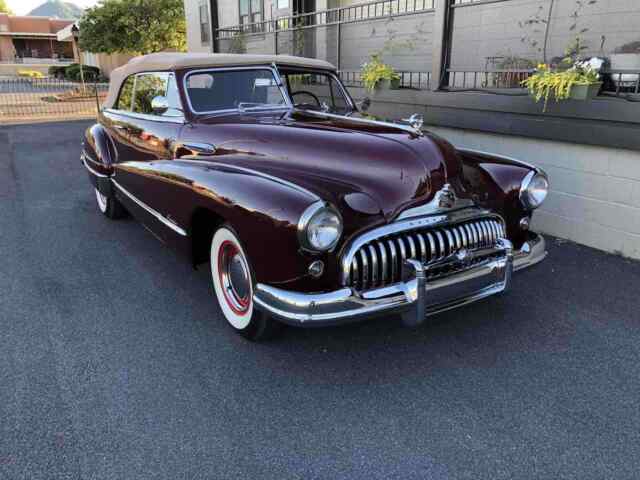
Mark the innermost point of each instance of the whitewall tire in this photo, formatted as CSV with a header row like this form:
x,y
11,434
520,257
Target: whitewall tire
x,y
233,286
109,205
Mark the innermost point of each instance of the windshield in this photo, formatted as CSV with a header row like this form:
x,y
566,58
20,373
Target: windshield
x,y
244,90
315,91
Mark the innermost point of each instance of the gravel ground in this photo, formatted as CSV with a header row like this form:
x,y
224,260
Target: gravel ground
x,y
115,362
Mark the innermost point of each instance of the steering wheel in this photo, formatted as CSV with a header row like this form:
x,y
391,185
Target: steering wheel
x,y
305,92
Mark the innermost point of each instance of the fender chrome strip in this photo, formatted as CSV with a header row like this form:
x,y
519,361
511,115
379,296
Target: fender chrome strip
x,y
151,211
83,157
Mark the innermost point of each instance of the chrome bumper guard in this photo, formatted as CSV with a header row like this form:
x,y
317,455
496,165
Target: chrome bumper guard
x,y
414,299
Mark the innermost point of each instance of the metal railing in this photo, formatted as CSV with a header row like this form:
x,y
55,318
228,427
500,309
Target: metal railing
x,y
624,82
26,99
487,79
618,82
354,13
408,80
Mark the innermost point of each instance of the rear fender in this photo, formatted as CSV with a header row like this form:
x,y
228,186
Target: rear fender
x,y
97,157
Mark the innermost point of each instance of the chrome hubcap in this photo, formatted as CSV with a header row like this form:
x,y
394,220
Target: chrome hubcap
x,y
234,278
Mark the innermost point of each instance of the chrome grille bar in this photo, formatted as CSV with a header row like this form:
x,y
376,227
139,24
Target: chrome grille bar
x,y
379,261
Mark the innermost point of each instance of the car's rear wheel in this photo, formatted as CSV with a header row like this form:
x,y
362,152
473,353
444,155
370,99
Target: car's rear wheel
x,y
109,205
233,286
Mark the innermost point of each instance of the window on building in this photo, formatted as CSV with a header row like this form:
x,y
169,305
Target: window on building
x,y
250,11
283,4
205,27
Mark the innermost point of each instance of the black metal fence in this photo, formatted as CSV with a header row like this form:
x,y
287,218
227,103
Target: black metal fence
x,y
489,44
410,80
26,99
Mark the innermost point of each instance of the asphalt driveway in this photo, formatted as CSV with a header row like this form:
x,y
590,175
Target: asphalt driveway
x,y
115,362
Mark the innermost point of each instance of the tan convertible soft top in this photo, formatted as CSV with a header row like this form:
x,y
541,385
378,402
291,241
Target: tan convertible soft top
x,y
175,61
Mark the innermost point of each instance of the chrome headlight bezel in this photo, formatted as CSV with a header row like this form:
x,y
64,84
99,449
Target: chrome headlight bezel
x,y
527,197
312,213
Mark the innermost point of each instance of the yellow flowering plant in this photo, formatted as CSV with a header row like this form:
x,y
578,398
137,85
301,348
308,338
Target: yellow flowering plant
x,y
559,83
375,71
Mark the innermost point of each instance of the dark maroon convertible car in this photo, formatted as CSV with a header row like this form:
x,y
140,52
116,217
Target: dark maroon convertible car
x,y
309,212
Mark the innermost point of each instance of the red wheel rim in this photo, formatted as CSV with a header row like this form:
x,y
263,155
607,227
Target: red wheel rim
x,y
234,278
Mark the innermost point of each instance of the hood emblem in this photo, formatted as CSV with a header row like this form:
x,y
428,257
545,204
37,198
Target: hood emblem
x,y
446,197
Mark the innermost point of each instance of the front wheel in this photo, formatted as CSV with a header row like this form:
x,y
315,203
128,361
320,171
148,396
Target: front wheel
x,y
109,206
233,285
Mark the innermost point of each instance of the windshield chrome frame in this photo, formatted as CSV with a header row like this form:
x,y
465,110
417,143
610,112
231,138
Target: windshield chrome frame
x,y
329,73
274,71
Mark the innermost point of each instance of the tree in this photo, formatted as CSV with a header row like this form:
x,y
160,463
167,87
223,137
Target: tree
x,y
133,26
4,8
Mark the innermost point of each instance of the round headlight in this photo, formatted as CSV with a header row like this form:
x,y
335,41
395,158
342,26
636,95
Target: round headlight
x,y
320,227
534,189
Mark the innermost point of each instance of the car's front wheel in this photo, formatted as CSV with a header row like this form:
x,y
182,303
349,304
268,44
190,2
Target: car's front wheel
x,y
233,285
109,206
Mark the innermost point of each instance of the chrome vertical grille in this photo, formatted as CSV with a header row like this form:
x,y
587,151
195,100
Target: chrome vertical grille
x,y
379,262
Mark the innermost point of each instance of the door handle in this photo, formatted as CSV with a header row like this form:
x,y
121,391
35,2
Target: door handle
x,y
195,148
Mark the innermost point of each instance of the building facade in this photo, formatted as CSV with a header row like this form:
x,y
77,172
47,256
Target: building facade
x,y
33,39
462,63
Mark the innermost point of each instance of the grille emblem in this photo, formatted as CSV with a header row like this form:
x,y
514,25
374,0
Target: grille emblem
x,y
446,197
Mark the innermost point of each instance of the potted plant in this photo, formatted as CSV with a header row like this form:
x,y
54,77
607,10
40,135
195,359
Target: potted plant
x,y
377,75
626,57
578,83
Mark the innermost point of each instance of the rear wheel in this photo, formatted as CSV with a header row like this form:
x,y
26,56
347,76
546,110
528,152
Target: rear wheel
x,y
109,206
233,285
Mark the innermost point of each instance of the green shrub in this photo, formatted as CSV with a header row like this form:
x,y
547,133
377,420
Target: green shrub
x,y
72,72
57,71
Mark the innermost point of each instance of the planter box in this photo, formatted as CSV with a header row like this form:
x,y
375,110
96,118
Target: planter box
x,y
585,92
388,85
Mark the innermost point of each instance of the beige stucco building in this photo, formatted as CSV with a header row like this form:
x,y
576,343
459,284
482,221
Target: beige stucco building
x,y
33,39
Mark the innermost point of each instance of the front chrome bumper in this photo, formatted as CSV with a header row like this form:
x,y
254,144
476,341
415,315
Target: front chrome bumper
x,y
414,298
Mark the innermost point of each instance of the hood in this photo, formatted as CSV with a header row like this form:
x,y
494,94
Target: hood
x,y
369,167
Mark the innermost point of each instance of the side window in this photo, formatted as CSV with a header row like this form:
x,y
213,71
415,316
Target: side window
x,y
173,97
149,86
126,95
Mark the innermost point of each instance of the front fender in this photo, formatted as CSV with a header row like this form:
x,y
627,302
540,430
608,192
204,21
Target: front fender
x,y
495,182
262,209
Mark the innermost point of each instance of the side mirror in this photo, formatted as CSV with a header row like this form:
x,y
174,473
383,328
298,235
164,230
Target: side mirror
x,y
159,104
364,104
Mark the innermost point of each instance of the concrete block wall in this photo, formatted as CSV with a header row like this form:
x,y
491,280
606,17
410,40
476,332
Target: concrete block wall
x,y
494,29
595,191
407,42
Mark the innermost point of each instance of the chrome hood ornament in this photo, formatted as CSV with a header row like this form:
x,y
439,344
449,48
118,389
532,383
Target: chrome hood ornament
x,y
443,201
416,121
446,197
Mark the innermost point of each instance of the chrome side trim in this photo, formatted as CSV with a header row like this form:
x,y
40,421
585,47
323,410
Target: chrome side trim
x,y
83,157
150,210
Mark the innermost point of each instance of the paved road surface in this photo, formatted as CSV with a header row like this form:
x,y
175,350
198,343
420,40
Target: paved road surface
x,y
115,363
